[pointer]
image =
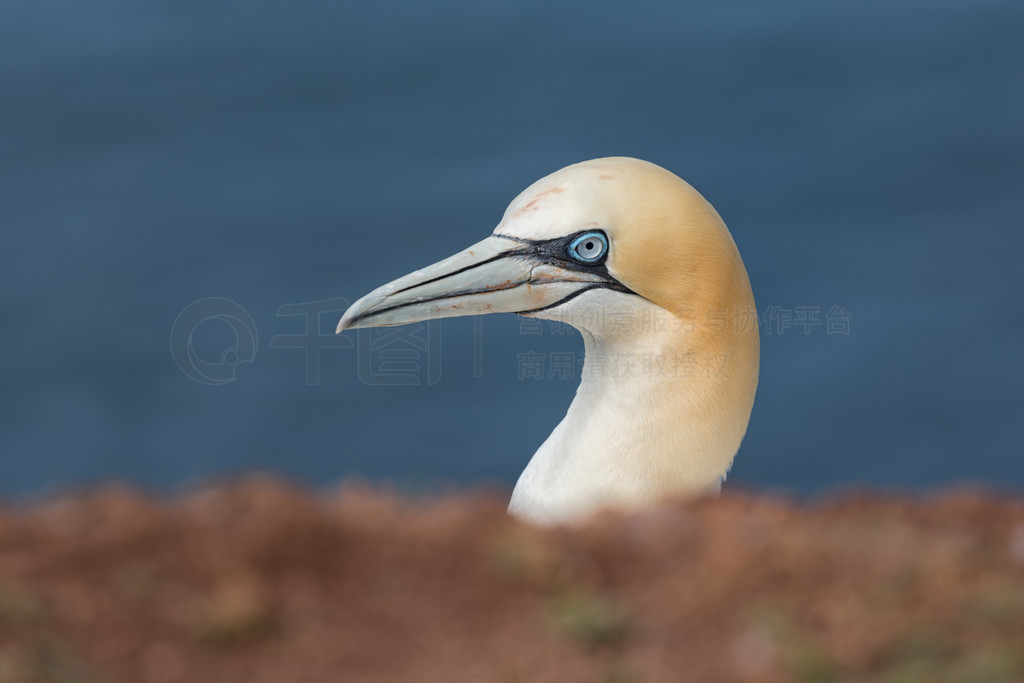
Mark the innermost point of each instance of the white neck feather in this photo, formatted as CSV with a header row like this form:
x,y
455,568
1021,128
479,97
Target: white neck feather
x,y
652,418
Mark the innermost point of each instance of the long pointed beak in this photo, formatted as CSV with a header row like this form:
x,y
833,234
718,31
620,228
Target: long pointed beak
x,y
497,275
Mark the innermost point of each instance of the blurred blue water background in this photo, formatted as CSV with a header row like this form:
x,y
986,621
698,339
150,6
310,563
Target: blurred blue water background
x,y
868,157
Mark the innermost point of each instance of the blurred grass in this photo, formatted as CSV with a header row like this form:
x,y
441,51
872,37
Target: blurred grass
x,y
591,620
45,662
17,607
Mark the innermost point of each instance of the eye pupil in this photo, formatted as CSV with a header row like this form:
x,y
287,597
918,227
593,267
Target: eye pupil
x,y
589,248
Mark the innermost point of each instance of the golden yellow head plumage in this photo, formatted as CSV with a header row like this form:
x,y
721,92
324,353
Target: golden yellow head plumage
x,y
667,243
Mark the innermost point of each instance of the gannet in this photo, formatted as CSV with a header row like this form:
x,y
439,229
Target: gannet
x,y
642,265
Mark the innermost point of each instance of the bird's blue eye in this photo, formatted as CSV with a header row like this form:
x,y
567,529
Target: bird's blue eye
x,y
589,247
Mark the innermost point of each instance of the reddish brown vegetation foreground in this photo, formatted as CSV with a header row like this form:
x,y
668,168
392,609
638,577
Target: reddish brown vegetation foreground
x,y
261,582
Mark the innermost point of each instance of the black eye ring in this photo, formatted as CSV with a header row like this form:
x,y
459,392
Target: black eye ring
x,y
590,247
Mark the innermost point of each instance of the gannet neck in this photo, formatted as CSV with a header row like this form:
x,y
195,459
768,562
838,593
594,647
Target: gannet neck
x,y
660,412
670,374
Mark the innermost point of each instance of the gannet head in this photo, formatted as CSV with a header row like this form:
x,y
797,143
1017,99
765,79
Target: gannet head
x,y
618,227
637,260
